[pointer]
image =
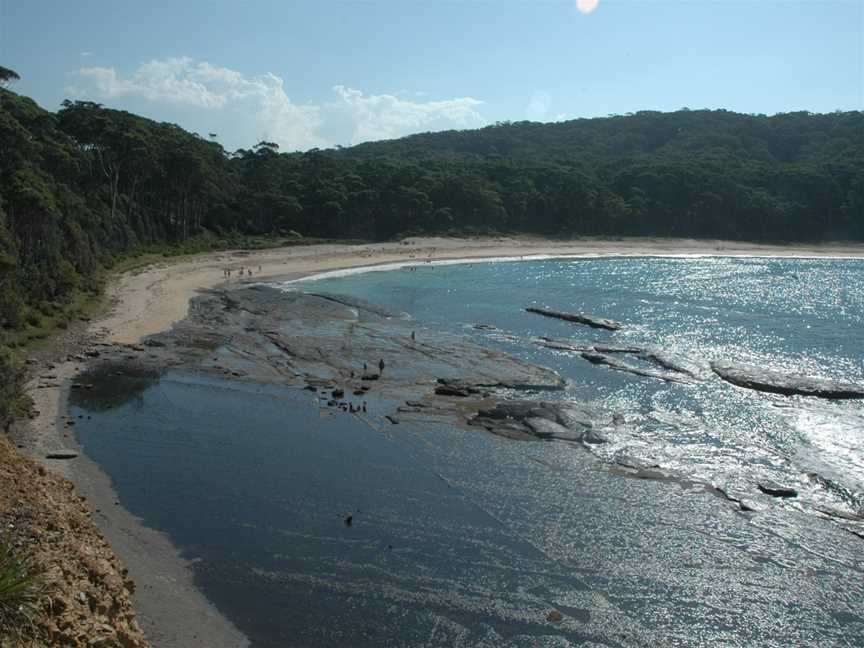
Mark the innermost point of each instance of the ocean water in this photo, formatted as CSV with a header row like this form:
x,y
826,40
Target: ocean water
x,y
796,316
458,537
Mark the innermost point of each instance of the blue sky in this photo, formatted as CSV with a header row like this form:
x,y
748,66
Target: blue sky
x,y
307,74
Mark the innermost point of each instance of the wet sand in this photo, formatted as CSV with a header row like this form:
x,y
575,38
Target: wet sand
x,y
170,609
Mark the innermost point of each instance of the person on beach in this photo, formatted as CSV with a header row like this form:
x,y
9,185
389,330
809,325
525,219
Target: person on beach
x,y
381,366
412,336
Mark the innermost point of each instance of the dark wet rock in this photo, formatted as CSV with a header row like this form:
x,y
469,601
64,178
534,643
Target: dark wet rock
x,y
777,490
748,506
851,498
153,342
567,421
392,419
61,454
626,461
485,327
614,363
316,341
744,504
767,380
594,437
654,362
568,345
454,387
554,617
328,335
578,318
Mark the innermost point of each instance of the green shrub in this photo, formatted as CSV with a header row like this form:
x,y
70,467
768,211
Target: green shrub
x,y
22,585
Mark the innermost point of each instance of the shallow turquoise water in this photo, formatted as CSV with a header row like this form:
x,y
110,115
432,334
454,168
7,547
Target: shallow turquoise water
x,y
462,538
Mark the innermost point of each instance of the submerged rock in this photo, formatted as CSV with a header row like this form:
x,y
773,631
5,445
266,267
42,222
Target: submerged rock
x,y
776,382
578,318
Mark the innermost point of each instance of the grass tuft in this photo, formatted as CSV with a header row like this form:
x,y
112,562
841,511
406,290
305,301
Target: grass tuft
x,y
22,585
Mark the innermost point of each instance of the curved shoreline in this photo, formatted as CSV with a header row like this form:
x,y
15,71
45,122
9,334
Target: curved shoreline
x,y
171,610
145,305
387,267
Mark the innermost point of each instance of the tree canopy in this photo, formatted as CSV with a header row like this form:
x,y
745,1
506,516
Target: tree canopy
x,y
81,186
7,77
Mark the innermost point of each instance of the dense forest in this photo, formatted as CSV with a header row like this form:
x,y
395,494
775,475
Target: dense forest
x,y
87,184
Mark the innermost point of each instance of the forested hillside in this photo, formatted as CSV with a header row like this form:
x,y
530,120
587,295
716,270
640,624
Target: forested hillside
x,y
84,185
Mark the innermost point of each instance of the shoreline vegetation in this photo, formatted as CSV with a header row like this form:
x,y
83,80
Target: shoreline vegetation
x,y
149,300
91,196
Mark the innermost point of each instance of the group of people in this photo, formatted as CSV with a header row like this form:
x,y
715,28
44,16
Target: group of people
x,y
381,364
227,272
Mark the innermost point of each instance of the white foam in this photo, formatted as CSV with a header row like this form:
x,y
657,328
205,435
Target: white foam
x,y
397,265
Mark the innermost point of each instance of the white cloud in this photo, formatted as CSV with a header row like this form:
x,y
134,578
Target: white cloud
x,y
86,54
538,106
375,117
252,107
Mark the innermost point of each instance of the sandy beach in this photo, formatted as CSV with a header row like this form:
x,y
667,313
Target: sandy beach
x,y
151,300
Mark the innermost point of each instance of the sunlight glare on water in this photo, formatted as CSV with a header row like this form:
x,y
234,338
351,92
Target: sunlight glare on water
x,y
798,316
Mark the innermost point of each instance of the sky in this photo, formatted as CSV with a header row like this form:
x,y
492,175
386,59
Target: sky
x,y
308,74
